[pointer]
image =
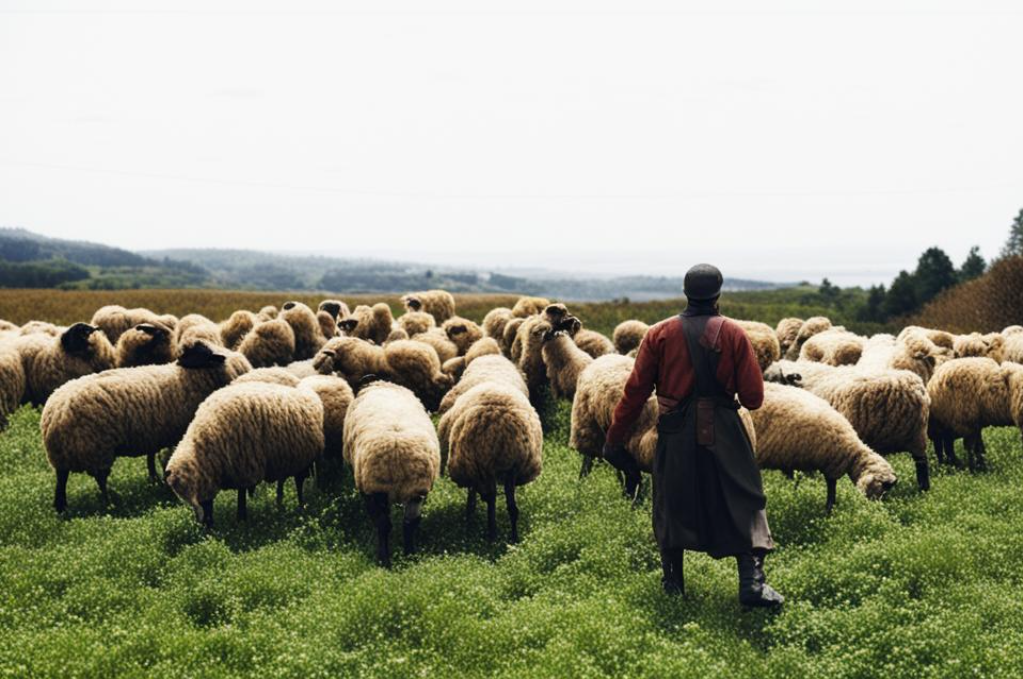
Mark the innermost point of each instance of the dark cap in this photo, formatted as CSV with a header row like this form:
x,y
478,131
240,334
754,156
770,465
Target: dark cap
x,y
703,282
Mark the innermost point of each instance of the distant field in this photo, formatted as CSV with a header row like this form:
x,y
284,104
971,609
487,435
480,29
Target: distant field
x,y
60,306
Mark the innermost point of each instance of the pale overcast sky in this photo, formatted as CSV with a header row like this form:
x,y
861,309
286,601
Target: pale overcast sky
x,y
796,141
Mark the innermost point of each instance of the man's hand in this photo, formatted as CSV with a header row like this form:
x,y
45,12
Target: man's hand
x,y
616,455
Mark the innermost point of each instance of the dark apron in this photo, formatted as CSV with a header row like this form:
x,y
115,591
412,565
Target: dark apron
x,y
708,495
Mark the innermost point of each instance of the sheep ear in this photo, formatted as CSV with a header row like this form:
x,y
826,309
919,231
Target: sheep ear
x,y
289,305
76,338
332,308
200,355
348,324
366,380
930,360
148,328
794,379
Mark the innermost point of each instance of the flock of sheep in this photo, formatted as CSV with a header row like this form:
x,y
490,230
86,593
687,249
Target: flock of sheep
x,y
264,396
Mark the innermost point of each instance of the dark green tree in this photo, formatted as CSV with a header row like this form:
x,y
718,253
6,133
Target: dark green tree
x,y
1014,246
901,298
873,310
829,293
973,266
934,273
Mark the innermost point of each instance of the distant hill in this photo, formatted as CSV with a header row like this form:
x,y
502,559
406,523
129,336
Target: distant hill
x,y
28,259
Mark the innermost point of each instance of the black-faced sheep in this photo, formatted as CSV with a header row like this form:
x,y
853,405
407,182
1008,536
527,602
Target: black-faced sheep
x,y
392,448
438,303
145,344
50,361
796,430
268,344
889,409
114,320
328,314
308,336
590,341
90,422
628,335
195,327
462,332
492,436
373,323
565,361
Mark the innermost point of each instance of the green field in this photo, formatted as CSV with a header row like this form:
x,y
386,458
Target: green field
x,y
914,586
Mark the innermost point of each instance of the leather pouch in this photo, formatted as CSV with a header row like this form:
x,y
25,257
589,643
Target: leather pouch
x,y
705,422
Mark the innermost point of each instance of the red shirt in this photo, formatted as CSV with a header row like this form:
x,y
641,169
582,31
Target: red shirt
x,y
663,362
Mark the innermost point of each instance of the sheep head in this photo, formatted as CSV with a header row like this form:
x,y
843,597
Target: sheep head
x,y
200,355
75,340
412,303
875,477
331,307
348,325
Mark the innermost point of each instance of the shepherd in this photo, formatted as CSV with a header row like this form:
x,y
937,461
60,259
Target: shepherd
x,y
708,495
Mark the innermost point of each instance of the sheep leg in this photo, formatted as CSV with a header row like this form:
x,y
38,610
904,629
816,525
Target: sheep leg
x,y
101,481
299,485
379,509
280,493
587,466
243,513
470,504
410,523
939,449
60,493
923,471
490,497
950,451
832,487
980,449
151,467
513,508
204,514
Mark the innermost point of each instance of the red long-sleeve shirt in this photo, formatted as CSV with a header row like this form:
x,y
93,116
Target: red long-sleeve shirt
x,y
663,362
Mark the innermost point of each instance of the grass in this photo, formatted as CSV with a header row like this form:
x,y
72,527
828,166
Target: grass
x,y
919,585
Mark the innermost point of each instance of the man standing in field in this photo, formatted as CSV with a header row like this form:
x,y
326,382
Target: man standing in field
x,y
708,495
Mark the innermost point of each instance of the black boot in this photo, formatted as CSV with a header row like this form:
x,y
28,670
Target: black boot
x,y
753,588
671,567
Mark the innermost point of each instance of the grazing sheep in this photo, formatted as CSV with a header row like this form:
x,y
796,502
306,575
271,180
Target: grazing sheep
x,y
565,361
328,325
968,394
797,430
787,330
12,382
835,347
369,323
236,327
308,335
462,332
274,375
529,306
889,409
485,369
628,335
491,436
438,339
438,303
416,322
194,327
91,421
392,448
50,361
976,345
415,365
485,347
913,352
267,313
114,320
809,328
597,393
145,344
495,321
764,340
242,435
940,338
268,344
351,358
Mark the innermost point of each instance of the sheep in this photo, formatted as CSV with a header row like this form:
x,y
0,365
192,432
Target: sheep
x,y
438,303
273,375
236,327
511,332
369,323
529,349
416,322
485,369
1013,349
145,344
49,362
565,361
396,334
462,332
495,321
242,435
267,313
114,320
942,339
41,328
91,421
597,393
335,308
764,340
889,409
809,328
351,358
336,396
553,314
269,343
1011,330
529,306
833,347
7,326
491,436
12,382
302,369
796,429
416,366
976,345
968,394
394,453
195,327
308,335
592,342
485,347
786,331
913,352
628,335
438,339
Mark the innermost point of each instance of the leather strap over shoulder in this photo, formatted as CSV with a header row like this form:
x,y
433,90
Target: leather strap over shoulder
x,y
712,333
